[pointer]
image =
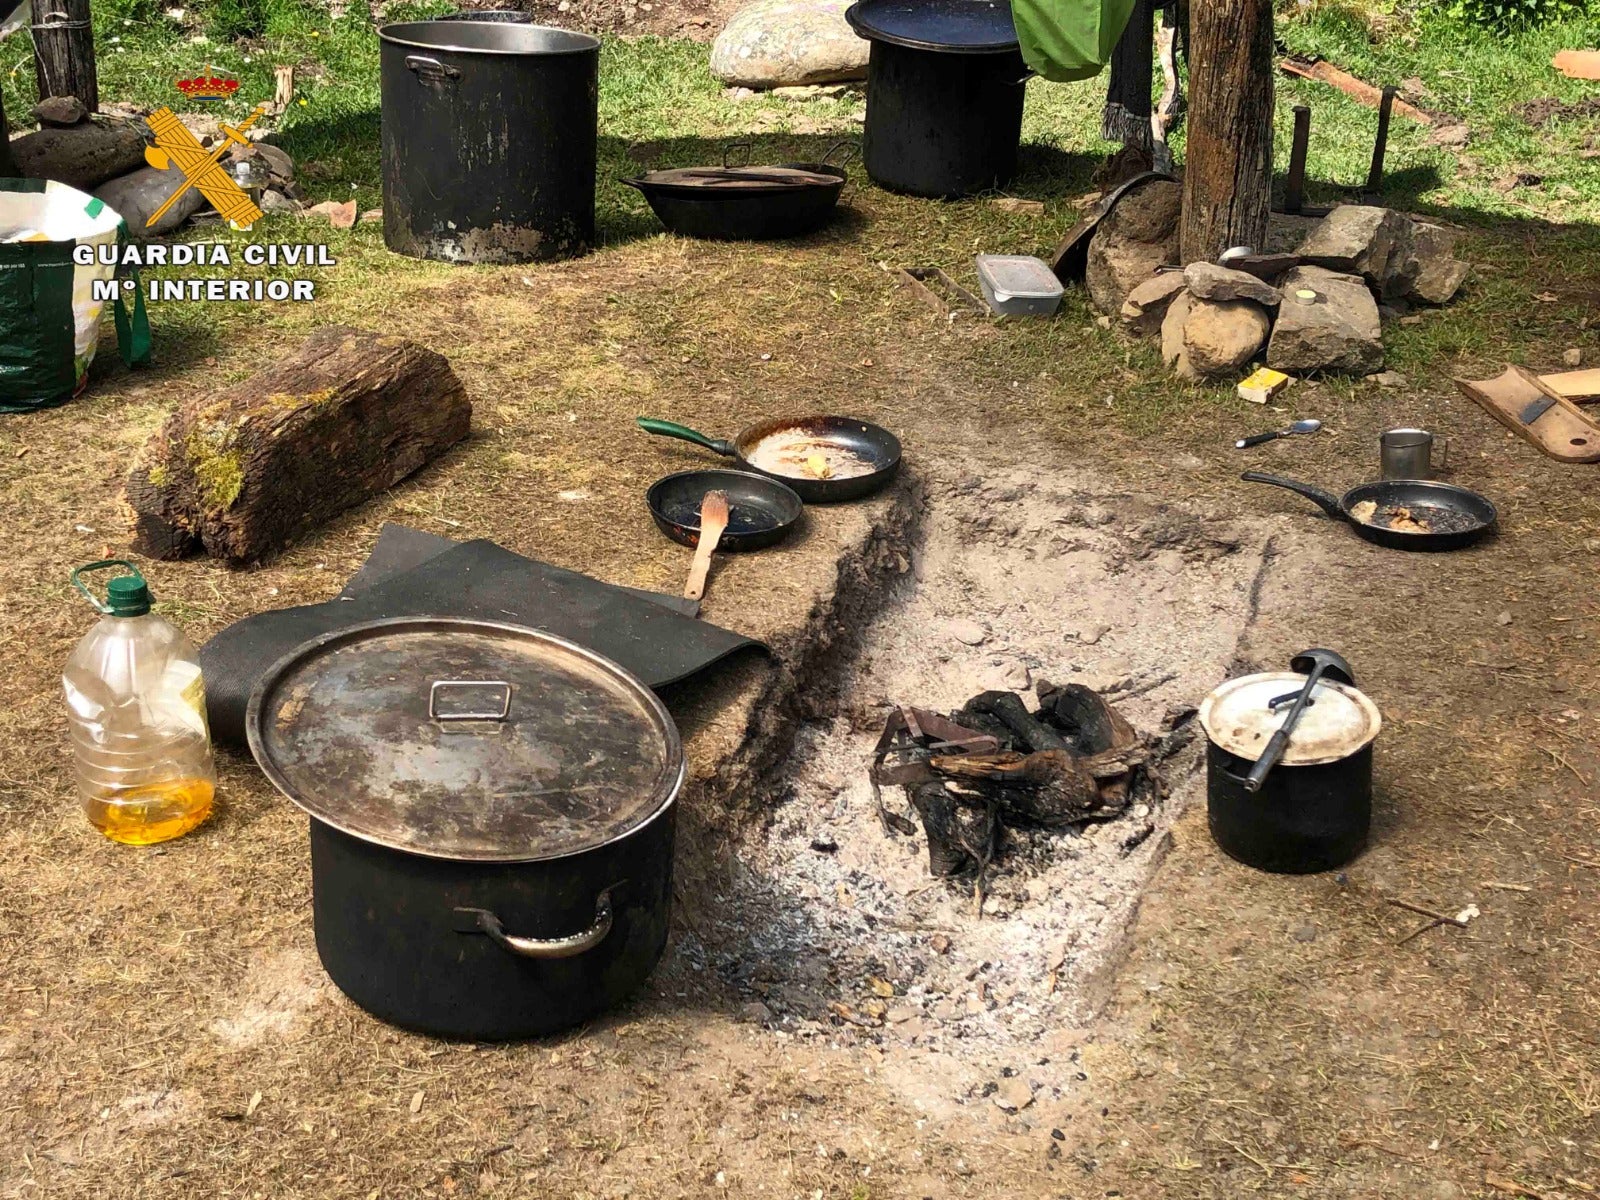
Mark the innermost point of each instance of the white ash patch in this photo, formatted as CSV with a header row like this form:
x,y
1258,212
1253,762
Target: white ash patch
x,y
835,929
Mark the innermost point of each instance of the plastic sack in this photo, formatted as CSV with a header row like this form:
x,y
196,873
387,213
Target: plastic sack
x,y
49,317
1068,40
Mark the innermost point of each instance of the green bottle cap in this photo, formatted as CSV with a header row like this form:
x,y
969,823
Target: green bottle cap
x,y
127,595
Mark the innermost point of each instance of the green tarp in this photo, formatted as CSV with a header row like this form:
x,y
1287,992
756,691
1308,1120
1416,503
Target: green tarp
x,y
1065,40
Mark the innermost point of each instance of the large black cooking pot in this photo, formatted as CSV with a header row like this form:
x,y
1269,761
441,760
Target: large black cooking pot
x,y
1314,809
489,140
944,94
492,816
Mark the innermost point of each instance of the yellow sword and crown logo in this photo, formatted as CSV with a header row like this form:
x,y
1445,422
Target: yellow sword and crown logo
x,y
176,146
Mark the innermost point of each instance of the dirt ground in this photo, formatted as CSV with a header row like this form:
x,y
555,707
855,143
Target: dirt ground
x,y
167,1031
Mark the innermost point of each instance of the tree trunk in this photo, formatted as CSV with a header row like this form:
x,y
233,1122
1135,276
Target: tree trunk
x,y
1227,182
63,51
247,471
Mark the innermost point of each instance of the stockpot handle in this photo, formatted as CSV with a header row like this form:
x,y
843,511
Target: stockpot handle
x,y
431,70
490,714
485,922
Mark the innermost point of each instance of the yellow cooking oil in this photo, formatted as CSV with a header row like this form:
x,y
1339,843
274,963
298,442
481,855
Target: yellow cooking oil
x,y
157,813
136,713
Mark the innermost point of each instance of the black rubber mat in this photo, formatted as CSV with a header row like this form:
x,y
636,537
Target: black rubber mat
x,y
418,574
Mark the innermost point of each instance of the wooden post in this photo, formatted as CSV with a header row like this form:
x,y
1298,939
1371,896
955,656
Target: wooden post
x,y
63,51
1227,181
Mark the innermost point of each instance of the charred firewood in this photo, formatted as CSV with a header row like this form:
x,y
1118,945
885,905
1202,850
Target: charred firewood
x,y
1051,788
960,837
1087,720
1008,709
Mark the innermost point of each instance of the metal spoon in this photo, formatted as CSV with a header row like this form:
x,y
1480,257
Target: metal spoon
x,y
1311,425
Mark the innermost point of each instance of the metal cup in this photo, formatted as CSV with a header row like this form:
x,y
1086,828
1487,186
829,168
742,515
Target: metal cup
x,y
1408,453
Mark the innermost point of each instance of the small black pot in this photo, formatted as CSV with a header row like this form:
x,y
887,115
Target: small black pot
x,y
1304,819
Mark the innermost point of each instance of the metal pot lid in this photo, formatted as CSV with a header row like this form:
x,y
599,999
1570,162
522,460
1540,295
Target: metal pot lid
x,y
1339,721
950,26
466,740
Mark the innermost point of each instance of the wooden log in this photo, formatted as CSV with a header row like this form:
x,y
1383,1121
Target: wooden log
x,y
251,469
82,156
63,51
1227,180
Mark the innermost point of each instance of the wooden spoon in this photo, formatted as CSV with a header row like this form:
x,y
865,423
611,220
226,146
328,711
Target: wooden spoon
x,y
713,520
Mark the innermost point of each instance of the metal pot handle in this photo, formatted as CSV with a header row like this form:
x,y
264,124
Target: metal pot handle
x,y
481,920
492,714
431,70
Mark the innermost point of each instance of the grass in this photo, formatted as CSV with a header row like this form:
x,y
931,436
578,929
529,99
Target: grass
x,y
660,106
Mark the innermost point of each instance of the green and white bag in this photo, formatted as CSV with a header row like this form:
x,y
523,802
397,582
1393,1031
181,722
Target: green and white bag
x,y
49,318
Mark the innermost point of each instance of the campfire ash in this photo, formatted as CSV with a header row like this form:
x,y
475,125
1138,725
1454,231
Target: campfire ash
x,y
993,764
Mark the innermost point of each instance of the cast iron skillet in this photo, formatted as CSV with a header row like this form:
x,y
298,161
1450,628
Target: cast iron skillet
x,y
754,213
761,511
874,446
1471,516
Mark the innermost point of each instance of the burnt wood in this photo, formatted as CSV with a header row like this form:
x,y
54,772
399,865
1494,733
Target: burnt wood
x,y
249,470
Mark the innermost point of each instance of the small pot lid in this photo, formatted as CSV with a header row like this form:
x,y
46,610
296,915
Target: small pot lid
x,y
1339,721
950,26
465,740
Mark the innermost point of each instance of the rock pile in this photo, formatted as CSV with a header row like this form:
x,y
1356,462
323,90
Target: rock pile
x,y
105,156
1318,308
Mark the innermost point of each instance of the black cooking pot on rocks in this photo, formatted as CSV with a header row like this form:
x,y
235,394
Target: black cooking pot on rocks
x,y
492,818
1314,808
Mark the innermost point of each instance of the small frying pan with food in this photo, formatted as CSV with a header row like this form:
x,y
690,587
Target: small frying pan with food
x,y
1402,514
761,511
824,459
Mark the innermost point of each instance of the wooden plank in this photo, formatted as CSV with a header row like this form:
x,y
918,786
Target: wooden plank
x,y
1575,385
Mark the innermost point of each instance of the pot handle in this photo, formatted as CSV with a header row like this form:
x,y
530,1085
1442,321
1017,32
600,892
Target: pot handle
x,y
1327,501
498,713
481,920
431,70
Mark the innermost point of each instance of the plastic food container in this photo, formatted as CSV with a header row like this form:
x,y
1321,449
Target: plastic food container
x,y
1018,285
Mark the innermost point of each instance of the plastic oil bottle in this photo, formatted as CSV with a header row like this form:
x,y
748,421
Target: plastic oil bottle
x,y
137,710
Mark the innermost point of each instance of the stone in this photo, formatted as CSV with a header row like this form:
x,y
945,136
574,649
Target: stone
x,y
1146,306
1138,235
272,162
789,43
1363,239
812,91
756,1012
83,156
1208,339
1339,332
1572,357
273,200
1286,232
1453,135
1014,1094
1436,275
968,631
1305,933
62,112
340,216
1208,281
137,195
1390,379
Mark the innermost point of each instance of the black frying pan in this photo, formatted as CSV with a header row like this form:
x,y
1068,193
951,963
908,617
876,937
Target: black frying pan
x,y
1459,516
877,448
761,511
753,208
